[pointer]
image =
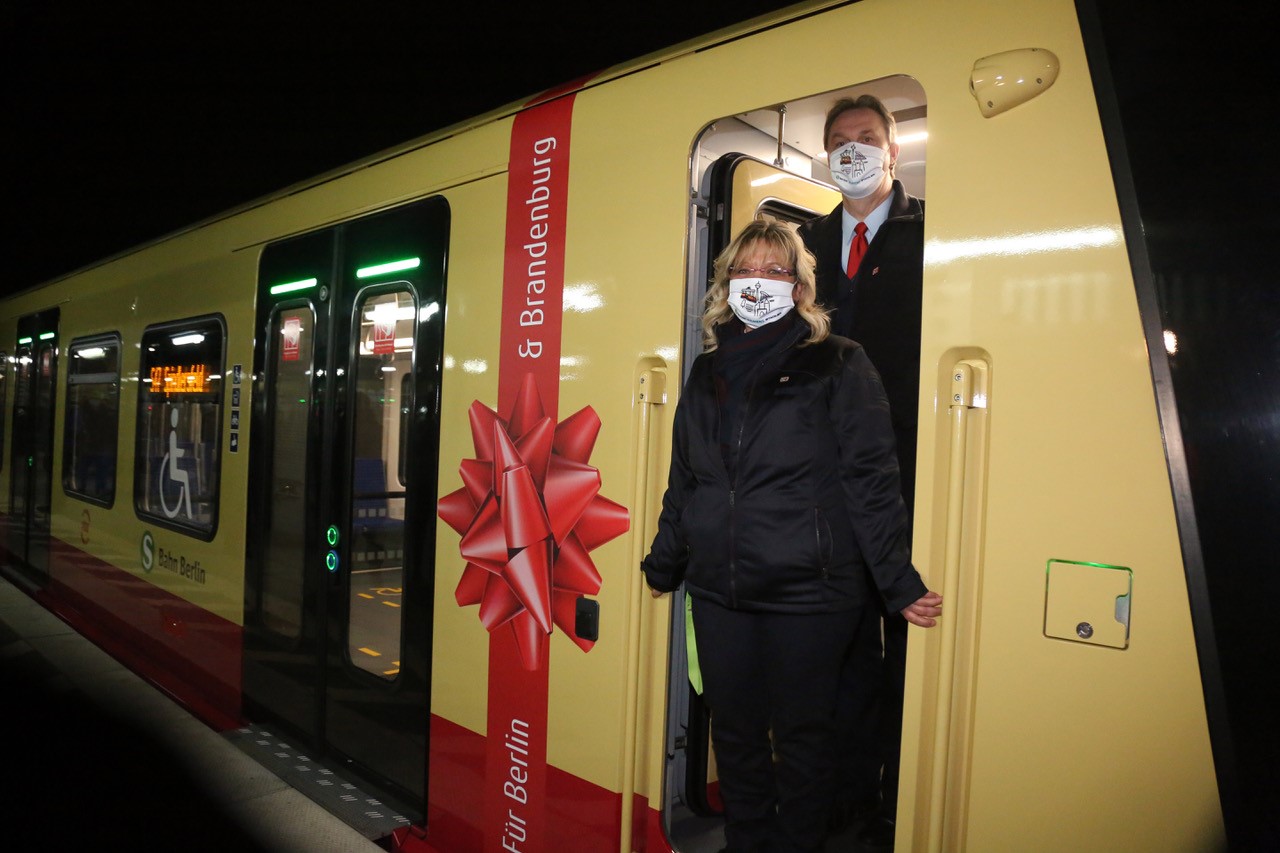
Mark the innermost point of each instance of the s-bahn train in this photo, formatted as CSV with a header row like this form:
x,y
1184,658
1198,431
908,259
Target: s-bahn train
x,y
375,459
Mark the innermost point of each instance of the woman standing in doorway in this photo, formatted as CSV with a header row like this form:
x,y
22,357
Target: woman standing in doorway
x,y
783,494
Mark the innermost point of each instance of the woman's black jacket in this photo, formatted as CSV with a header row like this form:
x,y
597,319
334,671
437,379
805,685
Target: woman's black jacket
x,y
814,503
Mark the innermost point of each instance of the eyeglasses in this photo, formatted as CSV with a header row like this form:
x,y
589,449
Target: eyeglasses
x,y
767,272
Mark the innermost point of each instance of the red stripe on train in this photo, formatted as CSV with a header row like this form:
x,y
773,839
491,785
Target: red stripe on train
x,y
184,650
581,817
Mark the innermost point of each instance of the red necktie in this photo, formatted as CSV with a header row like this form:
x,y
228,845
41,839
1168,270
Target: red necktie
x,y
857,248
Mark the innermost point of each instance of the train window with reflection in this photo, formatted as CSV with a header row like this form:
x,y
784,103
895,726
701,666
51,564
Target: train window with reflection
x,y
179,424
383,364
4,400
92,419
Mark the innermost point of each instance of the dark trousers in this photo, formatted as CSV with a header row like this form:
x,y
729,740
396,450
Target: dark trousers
x,y
773,673
870,712
858,710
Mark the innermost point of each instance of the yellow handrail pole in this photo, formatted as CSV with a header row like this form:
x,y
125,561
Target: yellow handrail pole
x,y
948,627
649,391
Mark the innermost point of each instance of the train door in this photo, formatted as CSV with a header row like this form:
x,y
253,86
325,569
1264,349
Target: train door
x,y
767,163
339,574
31,455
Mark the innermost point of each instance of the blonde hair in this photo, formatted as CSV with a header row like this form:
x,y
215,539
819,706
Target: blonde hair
x,y
786,242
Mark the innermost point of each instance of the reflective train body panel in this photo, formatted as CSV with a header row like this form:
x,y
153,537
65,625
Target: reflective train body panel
x,y
439,385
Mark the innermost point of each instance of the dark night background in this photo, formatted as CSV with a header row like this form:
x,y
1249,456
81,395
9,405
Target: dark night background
x,y
1208,229
124,121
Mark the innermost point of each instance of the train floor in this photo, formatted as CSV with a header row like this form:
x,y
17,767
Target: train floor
x,y
96,758
693,834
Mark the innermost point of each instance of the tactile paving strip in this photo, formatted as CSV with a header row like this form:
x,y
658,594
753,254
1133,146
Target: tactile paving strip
x,y
368,815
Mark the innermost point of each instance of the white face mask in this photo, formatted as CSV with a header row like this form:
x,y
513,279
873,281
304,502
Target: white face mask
x,y
757,301
857,169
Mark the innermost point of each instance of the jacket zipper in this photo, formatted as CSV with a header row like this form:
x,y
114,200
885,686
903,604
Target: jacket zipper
x,y
733,492
817,538
733,486
733,553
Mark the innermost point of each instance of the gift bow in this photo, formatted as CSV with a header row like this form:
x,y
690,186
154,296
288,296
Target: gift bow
x,y
529,512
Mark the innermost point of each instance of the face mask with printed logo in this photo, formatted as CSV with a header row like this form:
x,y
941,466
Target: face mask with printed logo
x,y
757,301
857,169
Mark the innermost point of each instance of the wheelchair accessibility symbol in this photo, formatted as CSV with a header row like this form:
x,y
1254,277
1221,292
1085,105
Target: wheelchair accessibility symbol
x,y
174,480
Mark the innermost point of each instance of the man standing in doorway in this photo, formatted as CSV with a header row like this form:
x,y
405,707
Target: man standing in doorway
x,y
870,253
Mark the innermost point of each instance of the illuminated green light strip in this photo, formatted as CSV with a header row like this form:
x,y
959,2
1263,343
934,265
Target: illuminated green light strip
x,y
290,287
393,266
47,336
22,341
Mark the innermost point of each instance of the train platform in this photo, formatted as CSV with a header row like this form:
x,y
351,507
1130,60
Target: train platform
x,y
97,758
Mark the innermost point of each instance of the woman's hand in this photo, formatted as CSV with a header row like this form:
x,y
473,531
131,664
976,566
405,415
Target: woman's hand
x,y
924,611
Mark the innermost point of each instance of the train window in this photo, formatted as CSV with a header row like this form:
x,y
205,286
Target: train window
x,y
92,419
4,399
177,452
384,361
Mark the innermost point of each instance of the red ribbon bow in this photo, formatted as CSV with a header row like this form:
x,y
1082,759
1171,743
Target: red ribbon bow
x,y
529,512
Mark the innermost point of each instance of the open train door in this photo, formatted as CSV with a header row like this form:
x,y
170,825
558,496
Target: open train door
x,y
736,190
344,443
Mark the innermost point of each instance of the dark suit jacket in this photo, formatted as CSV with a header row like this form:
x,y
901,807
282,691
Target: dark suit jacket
x,y
880,308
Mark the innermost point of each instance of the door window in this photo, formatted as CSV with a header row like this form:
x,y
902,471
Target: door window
x,y
4,398
383,363
293,331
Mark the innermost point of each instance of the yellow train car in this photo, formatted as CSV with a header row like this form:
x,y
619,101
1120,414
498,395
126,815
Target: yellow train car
x,y
375,459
